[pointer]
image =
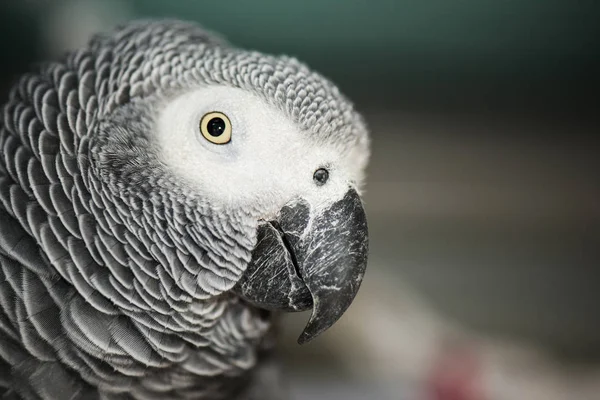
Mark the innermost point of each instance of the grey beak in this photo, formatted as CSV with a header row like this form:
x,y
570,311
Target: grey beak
x,y
305,260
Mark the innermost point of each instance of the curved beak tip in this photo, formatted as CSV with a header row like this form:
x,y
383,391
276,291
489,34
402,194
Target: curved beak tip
x,y
329,305
305,337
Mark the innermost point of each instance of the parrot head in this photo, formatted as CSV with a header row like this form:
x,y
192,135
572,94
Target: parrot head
x,y
245,168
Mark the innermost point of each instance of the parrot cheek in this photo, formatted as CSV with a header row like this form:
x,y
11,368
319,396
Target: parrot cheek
x,y
309,260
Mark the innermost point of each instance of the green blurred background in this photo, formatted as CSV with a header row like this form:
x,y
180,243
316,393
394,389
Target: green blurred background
x,y
483,194
435,52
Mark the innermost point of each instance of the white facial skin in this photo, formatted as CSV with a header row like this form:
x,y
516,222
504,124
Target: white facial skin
x,y
268,161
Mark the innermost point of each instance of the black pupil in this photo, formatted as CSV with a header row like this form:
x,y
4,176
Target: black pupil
x,y
216,126
321,175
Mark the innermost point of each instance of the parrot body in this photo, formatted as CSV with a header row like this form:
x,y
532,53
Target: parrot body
x,y
127,237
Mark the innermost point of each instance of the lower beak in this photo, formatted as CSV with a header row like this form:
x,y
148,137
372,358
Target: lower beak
x,y
308,259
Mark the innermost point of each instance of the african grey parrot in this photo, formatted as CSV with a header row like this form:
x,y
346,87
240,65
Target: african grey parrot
x,y
162,193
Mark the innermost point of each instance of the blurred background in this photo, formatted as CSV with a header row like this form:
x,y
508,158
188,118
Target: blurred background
x,y
483,203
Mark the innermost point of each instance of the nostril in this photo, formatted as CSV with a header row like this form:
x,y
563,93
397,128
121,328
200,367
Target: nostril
x,y
321,176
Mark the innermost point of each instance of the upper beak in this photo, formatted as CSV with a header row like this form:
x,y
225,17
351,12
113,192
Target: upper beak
x,y
309,259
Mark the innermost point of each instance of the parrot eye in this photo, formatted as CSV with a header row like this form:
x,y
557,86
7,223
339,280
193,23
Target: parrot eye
x,y
216,127
321,176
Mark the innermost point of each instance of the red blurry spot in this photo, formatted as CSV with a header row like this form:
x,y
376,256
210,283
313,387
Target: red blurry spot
x,y
456,375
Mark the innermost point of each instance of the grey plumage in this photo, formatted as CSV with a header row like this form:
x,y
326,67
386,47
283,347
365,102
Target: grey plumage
x,y
116,277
